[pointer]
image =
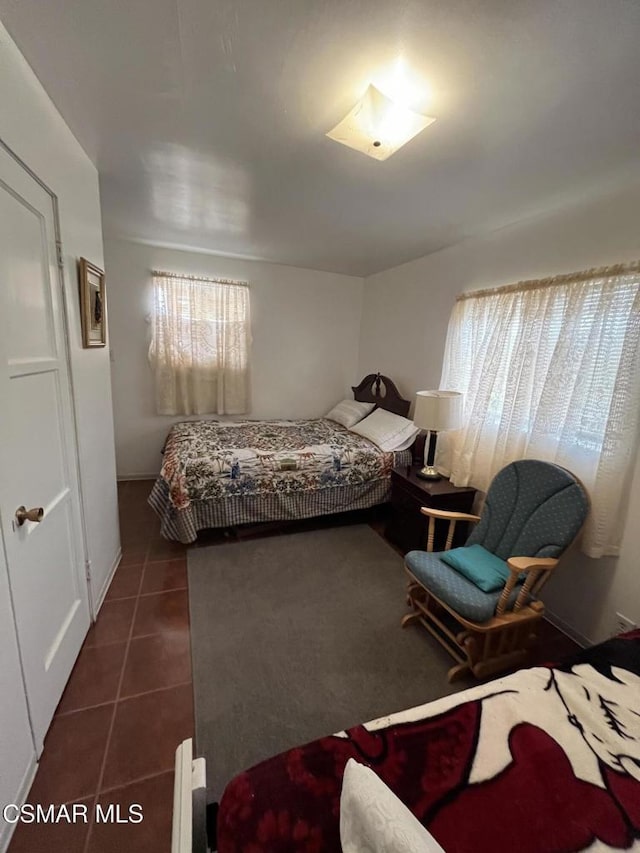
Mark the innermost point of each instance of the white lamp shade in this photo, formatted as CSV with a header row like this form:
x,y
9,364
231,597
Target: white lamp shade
x,y
438,410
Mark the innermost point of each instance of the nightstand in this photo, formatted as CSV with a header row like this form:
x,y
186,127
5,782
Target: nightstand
x,y
407,527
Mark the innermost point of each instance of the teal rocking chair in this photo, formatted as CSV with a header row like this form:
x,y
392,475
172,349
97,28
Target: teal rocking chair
x,y
533,511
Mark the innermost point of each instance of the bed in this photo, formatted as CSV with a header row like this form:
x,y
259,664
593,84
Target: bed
x,y
222,474
547,759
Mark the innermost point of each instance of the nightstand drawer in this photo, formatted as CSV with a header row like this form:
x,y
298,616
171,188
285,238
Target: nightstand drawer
x,y
407,526
404,500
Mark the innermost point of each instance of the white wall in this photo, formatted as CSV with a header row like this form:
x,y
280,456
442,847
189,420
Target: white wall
x,y
404,323
304,353
31,126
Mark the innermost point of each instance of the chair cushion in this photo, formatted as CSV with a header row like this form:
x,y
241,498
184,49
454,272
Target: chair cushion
x,y
453,588
478,565
532,509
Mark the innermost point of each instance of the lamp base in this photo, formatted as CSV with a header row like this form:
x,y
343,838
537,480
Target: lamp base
x,y
428,473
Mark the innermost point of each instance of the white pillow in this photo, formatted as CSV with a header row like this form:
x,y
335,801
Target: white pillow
x,y
374,820
388,431
349,412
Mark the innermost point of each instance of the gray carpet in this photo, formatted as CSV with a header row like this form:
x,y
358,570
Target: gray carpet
x,y
298,636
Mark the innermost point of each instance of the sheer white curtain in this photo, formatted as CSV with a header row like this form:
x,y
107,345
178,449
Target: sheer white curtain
x,y
200,345
550,370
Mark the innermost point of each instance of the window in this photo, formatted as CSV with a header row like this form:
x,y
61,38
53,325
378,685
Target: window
x,y
550,370
200,345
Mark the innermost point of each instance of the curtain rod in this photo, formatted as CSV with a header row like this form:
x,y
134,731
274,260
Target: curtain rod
x,y
163,274
566,278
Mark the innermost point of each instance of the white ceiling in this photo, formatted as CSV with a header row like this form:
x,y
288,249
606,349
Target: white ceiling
x,y
207,118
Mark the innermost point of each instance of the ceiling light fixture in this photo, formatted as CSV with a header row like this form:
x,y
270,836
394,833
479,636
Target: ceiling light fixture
x,y
377,125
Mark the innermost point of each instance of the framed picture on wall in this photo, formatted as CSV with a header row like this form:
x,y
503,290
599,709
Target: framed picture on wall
x,y
92,305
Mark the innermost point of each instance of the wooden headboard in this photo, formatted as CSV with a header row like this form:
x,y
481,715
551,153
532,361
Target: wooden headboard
x,y
379,389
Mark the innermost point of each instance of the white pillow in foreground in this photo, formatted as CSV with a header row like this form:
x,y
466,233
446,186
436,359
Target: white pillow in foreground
x,y
374,820
348,412
388,431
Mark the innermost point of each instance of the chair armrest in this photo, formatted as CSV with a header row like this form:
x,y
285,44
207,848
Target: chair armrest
x,y
528,564
447,515
537,570
444,515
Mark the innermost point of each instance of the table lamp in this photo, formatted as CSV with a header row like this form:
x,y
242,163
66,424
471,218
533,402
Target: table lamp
x,y
436,411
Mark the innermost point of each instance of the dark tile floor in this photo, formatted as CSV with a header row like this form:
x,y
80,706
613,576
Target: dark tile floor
x,y
128,703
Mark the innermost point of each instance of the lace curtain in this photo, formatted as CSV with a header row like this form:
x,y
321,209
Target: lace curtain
x,y
550,370
200,345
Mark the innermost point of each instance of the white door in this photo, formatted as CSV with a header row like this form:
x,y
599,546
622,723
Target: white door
x,y
37,447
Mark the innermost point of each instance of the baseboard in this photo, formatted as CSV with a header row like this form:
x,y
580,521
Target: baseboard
x,y
561,625
100,599
7,829
122,478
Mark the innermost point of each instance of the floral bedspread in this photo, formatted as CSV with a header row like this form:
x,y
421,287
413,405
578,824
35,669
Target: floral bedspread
x,y
206,460
226,473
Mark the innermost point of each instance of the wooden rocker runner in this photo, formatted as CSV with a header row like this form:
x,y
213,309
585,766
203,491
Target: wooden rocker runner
x,y
481,601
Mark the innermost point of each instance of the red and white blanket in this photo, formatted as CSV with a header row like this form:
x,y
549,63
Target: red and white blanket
x,y
547,759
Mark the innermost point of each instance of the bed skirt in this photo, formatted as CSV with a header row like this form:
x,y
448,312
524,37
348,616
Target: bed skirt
x,y
183,525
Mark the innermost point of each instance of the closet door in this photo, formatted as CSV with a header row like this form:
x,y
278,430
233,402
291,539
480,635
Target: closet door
x,y
39,494
17,751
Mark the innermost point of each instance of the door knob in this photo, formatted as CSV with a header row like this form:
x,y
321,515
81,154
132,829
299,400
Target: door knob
x,y
23,514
